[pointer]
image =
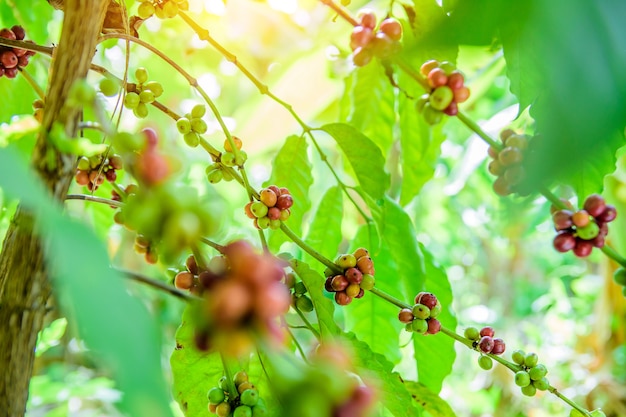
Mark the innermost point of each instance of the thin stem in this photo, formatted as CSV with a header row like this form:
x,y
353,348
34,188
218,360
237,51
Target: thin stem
x,y
232,390
610,252
29,46
158,285
94,199
212,244
295,341
472,125
33,83
389,298
307,323
263,89
200,259
309,249
571,403
341,12
119,190
91,125
266,248
556,202
413,74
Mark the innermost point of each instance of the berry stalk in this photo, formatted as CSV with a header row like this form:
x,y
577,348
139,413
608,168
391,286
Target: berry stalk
x,y
389,298
307,323
159,285
296,239
341,12
94,199
232,389
32,83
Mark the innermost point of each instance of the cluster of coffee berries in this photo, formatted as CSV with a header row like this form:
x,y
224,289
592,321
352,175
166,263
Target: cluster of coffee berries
x,y
141,94
484,341
447,91
422,318
229,158
580,231
357,276
366,42
145,247
163,9
507,162
94,170
532,376
12,59
197,279
244,295
246,403
192,124
273,207
620,278
299,299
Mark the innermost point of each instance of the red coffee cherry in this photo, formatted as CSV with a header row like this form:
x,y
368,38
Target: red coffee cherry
x,y
487,331
486,344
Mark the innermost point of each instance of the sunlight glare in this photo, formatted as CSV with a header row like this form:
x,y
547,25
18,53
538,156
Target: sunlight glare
x,y
215,7
287,6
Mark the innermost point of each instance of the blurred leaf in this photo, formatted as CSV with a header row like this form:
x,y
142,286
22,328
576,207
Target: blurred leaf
x,y
292,169
325,232
365,157
431,402
87,289
575,66
324,307
421,145
395,396
371,100
50,336
194,372
369,316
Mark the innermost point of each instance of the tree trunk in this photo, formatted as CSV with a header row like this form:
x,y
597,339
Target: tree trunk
x,y
24,285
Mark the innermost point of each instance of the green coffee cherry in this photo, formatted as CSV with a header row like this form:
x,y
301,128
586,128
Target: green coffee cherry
x,y
537,372
183,125
472,333
300,288
530,359
346,261
141,111
522,379
368,282
436,310
191,139
588,232
249,397
620,276
259,209
243,411
419,326
275,224
485,362
241,158
542,384
263,222
420,311
529,390
83,164
518,357
131,100
141,75
198,125
198,111
155,87
216,395
441,98
304,303
108,87
259,410
228,159
146,96
223,383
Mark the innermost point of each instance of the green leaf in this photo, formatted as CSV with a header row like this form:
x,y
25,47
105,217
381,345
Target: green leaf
x,y
50,336
365,157
421,146
417,272
324,307
34,16
395,397
371,101
369,317
325,232
577,75
194,372
431,402
87,290
292,169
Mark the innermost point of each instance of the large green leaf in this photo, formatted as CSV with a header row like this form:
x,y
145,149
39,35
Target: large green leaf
x,y
370,317
575,66
292,169
395,397
421,145
431,402
365,157
417,272
324,307
194,372
371,100
87,288
325,231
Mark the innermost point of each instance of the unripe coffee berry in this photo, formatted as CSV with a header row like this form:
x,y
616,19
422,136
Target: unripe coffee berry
x,y
522,379
346,261
421,311
530,359
353,290
419,326
529,390
250,397
518,357
542,384
216,395
368,282
485,362
436,310
537,372
471,333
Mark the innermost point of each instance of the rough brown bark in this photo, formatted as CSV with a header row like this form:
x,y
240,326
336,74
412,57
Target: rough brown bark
x,y
24,286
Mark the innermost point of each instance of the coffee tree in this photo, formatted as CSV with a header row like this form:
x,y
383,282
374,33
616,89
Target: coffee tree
x,y
138,147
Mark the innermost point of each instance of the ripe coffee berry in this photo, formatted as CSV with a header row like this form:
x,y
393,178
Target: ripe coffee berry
x,y
13,59
582,230
273,207
486,344
357,276
366,42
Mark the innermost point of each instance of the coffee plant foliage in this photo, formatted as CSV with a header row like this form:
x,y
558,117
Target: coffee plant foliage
x,y
364,169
